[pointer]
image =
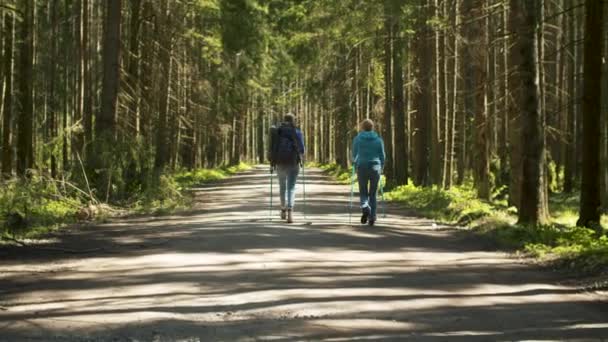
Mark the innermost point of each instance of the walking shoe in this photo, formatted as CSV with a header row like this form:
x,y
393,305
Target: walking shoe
x,y
371,222
365,214
289,216
283,214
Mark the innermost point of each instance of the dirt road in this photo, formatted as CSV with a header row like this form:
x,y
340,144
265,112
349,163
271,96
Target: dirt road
x,y
223,272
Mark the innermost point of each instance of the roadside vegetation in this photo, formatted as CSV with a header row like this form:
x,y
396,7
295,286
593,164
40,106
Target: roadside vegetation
x,y
36,205
559,242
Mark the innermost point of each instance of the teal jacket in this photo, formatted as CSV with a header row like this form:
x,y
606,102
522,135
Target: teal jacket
x,y
368,149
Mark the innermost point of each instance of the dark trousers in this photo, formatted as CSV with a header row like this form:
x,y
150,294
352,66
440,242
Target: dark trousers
x,y
369,177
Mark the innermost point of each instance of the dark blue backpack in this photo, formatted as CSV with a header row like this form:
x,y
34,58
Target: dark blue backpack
x,y
286,146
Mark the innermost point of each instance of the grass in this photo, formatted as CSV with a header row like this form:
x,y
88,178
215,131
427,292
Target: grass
x,y
343,176
559,242
47,205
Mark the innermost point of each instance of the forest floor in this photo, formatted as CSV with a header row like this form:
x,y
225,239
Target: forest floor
x,y
224,272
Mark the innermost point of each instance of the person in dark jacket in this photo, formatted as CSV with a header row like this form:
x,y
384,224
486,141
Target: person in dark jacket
x,y
287,156
368,158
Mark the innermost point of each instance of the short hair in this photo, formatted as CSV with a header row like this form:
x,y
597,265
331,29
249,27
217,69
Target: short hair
x,y
289,118
367,125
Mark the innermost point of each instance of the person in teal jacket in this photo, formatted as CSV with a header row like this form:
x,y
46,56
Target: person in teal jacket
x,y
368,158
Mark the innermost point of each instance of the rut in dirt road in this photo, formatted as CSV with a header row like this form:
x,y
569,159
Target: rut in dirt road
x,y
223,272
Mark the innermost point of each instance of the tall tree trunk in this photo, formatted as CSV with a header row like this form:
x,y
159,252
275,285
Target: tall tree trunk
x,y
105,125
162,150
457,101
401,156
437,105
387,128
525,46
421,96
590,181
26,106
87,83
604,165
463,98
504,129
7,111
479,50
53,101
570,143
133,59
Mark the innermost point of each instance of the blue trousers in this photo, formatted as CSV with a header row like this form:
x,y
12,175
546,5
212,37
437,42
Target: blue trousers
x,y
288,176
369,177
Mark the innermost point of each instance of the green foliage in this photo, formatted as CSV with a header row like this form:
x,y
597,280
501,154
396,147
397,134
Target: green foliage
x,y
41,202
169,194
575,247
458,205
188,179
336,171
46,204
578,248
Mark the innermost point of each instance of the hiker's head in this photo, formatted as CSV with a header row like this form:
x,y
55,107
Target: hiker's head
x,y
289,118
367,125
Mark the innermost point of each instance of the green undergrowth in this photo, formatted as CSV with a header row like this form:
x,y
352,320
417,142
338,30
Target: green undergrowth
x,y
458,205
171,193
32,207
37,205
188,179
340,174
559,242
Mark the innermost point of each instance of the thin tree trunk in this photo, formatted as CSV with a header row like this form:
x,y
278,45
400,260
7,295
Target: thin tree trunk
x,y
570,158
7,65
401,157
87,102
387,128
162,150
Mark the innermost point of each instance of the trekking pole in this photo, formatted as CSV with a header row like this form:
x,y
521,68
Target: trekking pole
x,y
270,214
304,192
352,192
382,196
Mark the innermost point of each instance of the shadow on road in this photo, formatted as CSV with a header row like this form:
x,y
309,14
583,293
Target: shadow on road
x,y
224,271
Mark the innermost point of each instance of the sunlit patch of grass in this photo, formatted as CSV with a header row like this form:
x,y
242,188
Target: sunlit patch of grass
x,y
237,168
458,205
36,205
188,179
343,176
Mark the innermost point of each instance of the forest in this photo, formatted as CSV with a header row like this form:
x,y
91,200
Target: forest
x,y
104,100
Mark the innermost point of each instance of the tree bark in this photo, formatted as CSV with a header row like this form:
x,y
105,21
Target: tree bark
x,y
162,148
7,65
422,99
105,125
479,50
590,213
25,157
525,46
387,128
401,156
